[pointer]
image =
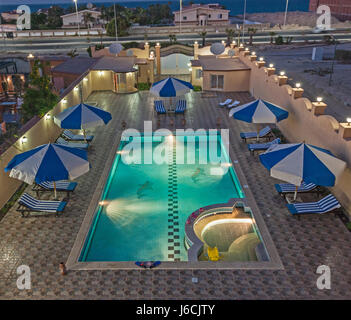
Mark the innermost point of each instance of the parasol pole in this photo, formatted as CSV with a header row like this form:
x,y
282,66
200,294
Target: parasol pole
x,y
55,193
85,136
295,194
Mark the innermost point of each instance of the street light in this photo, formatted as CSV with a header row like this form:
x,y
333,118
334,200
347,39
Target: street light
x,y
75,2
114,10
286,11
332,67
244,20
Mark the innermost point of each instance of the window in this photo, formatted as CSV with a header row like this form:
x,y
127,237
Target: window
x,y
220,16
198,73
185,18
217,81
209,16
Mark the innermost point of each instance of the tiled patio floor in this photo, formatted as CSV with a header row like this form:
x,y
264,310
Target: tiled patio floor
x,y
43,242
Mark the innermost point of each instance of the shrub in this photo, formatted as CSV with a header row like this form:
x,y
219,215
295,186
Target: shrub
x,y
279,40
142,86
197,88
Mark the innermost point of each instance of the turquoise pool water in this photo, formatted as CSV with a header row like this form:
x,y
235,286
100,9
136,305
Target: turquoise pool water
x,y
144,207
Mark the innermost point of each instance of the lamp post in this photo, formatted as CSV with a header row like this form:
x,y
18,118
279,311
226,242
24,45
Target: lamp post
x,y
286,11
244,21
180,16
75,2
3,32
114,9
332,67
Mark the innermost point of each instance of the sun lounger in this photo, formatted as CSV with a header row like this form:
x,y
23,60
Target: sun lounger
x,y
234,104
287,188
181,106
28,204
325,205
69,135
80,145
261,146
225,103
264,133
61,186
159,107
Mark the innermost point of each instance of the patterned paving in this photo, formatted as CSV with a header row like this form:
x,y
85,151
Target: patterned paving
x,y
43,242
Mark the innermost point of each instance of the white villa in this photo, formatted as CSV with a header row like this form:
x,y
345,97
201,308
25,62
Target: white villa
x,y
70,19
202,15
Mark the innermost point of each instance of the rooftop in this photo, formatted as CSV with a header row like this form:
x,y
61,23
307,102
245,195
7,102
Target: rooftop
x,y
75,65
80,12
116,64
209,6
302,245
211,63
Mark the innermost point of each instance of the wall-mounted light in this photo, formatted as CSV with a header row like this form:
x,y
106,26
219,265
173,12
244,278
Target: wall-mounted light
x,y
348,120
298,85
75,89
271,65
319,99
24,139
47,116
282,73
85,79
190,69
30,56
64,100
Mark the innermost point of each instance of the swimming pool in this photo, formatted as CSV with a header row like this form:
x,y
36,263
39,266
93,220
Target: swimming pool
x,y
144,207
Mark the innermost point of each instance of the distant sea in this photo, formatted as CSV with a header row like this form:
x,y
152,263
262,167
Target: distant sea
x,y
235,6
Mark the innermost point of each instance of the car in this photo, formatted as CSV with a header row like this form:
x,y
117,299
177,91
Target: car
x,y
318,30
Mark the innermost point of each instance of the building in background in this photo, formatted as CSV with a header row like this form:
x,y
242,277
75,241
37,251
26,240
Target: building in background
x,y
202,15
87,18
339,8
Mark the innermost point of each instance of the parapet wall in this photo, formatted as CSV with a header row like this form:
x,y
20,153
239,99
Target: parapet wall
x,y
303,124
44,131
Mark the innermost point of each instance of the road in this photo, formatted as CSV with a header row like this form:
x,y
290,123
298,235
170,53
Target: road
x,y
60,44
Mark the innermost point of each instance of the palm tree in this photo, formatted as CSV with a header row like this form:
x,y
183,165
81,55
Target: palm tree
x,y
230,35
272,34
172,38
251,31
87,17
203,36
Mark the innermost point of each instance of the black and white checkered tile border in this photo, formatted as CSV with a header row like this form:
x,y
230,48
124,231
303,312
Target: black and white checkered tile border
x,y
173,211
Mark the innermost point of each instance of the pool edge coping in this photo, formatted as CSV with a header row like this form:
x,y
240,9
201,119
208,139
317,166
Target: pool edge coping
x,y
72,263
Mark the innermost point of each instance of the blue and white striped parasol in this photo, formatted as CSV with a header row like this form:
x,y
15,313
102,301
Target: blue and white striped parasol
x,y
82,116
170,87
259,111
300,162
49,162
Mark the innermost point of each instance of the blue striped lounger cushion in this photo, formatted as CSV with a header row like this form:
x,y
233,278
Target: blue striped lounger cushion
x,y
60,185
327,204
41,205
290,188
